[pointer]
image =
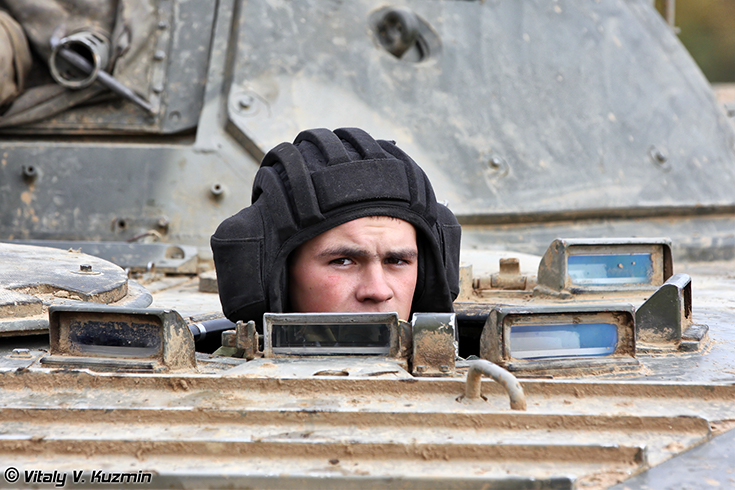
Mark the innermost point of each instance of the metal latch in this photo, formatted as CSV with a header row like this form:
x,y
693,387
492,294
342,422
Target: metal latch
x,y
434,344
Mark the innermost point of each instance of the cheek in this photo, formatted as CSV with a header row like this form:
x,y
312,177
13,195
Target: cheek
x,y
321,279
333,288
404,286
321,290
407,282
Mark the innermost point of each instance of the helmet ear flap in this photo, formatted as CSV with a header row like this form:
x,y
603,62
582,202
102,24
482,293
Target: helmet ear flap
x,y
270,186
451,234
238,246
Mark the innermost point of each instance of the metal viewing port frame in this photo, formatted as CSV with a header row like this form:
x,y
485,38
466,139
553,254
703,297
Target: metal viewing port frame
x,y
271,321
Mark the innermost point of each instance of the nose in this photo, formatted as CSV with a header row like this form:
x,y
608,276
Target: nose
x,y
373,286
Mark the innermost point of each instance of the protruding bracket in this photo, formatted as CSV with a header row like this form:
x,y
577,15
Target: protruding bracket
x,y
246,339
664,317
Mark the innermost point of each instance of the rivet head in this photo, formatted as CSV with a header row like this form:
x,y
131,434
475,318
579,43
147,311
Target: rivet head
x,y
85,268
659,158
497,167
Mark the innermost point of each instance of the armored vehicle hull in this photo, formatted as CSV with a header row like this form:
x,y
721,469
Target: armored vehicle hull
x,y
534,120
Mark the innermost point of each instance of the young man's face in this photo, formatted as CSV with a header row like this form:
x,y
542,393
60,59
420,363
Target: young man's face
x,y
365,265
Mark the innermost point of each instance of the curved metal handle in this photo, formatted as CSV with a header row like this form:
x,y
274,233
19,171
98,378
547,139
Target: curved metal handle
x,y
473,386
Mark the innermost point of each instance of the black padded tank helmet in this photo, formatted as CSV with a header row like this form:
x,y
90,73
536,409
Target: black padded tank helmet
x,y
320,181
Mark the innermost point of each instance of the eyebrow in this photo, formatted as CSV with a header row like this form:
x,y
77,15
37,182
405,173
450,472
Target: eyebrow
x,y
402,254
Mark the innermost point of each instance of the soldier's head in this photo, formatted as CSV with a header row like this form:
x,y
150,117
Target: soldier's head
x,y
338,222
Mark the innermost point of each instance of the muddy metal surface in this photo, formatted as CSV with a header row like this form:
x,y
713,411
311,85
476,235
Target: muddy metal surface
x,y
411,430
368,423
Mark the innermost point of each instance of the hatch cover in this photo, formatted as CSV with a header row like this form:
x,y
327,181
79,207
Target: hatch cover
x,y
32,278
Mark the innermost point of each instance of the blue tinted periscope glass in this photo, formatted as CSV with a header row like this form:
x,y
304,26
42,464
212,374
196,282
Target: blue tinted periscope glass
x,y
568,340
610,269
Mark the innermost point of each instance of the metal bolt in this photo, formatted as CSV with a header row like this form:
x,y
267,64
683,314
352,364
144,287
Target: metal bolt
x,y
85,268
30,172
159,55
444,368
245,102
162,25
421,369
217,189
163,222
158,88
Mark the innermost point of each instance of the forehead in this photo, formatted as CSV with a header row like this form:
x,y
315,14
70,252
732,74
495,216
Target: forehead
x,y
375,232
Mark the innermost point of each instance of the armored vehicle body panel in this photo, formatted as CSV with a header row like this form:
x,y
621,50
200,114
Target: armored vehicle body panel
x,y
571,123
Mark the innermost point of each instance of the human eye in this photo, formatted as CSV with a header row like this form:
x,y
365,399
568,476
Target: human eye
x,y
397,261
342,261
